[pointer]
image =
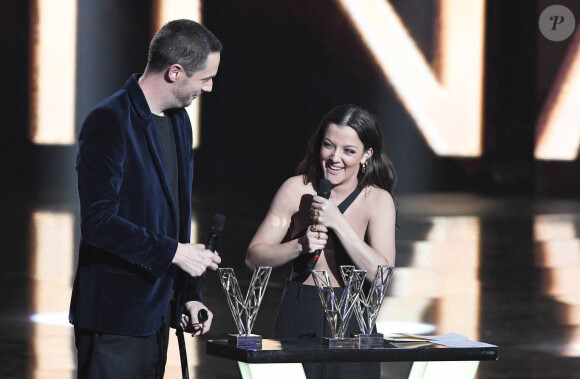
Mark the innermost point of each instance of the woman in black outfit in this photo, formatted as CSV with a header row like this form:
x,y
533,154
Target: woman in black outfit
x,y
355,226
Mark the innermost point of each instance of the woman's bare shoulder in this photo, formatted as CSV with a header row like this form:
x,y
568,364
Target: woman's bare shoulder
x,y
291,191
295,185
376,196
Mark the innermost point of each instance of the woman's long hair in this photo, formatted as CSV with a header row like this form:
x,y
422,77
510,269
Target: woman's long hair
x,y
379,172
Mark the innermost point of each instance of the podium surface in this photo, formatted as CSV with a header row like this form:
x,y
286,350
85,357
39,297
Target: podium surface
x,y
464,356
294,350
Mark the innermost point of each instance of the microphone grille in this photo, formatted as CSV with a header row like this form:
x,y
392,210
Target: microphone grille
x,y
218,222
324,188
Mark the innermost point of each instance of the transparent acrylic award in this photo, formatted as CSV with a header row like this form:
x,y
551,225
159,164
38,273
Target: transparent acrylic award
x,y
367,307
338,313
245,309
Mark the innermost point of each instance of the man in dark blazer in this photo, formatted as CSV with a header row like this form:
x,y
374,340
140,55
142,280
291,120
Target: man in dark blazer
x,y
135,171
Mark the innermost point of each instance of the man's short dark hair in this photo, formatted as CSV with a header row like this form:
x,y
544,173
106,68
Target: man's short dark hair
x,y
183,42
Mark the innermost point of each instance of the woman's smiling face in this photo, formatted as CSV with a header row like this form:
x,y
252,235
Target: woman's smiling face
x,y
341,154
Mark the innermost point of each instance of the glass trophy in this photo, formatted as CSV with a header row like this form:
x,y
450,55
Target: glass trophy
x,y
245,309
338,313
367,307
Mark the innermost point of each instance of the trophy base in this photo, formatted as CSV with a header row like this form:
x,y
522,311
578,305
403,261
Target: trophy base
x,y
369,341
245,340
338,343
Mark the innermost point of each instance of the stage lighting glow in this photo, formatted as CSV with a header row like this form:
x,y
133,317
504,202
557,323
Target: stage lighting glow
x,y
556,254
443,275
51,318
550,227
448,110
558,136
165,11
51,271
573,350
53,73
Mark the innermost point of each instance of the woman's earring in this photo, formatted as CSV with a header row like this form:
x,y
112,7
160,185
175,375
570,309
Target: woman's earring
x,y
364,167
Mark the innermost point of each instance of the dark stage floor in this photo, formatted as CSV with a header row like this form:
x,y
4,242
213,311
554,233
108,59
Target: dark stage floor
x,y
503,271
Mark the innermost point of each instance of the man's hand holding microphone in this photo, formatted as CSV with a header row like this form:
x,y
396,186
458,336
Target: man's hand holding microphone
x,y
195,259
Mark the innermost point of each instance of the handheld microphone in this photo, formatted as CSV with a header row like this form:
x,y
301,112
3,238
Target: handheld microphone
x,y
217,225
324,188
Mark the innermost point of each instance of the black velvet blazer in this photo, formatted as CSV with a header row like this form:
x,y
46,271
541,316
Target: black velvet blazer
x,y
124,278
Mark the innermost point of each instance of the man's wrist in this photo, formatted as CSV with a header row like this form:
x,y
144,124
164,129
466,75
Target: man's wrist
x,y
177,255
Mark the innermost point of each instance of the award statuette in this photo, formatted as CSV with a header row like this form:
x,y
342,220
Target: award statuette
x,y
245,310
338,313
367,307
